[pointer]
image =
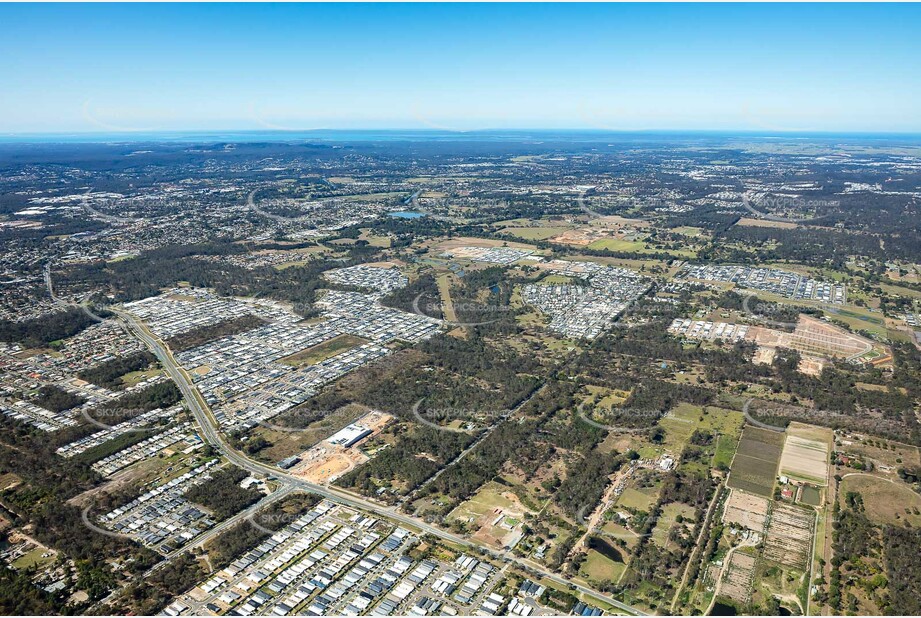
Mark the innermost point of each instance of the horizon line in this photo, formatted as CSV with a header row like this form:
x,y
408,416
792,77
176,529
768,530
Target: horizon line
x,y
459,132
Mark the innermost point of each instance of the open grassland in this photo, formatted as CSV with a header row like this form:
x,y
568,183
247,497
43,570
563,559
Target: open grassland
x,y
489,499
374,240
899,290
683,420
885,501
631,263
606,398
669,518
468,241
134,377
725,450
36,558
320,352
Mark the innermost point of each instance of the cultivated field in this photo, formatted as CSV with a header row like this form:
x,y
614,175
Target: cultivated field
x,y
746,510
737,582
755,465
789,536
805,458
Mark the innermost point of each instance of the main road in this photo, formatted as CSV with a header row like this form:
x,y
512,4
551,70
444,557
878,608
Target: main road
x,y
211,435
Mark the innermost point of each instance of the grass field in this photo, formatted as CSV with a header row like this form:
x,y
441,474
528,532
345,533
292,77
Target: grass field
x,y
556,280
612,244
485,502
293,264
765,223
319,353
607,398
725,450
899,290
631,263
600,568
33,558
135,377
635,499
686,417
535,233
444,288
687,230
375,240
683,420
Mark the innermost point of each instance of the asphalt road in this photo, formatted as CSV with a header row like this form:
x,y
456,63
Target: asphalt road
x,y
212,436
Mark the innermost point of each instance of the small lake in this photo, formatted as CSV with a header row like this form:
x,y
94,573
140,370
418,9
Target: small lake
x,y
723,609
406,214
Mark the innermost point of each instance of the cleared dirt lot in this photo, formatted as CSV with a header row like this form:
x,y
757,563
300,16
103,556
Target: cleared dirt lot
x,y
325,463
816,336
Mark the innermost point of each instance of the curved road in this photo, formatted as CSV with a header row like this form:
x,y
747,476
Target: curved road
x,y
212,436
60,301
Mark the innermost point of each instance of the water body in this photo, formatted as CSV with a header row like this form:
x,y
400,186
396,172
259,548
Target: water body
x,y
724,609
406,214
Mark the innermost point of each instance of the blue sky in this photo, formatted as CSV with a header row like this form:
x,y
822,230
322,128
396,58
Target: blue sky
x,y
132,67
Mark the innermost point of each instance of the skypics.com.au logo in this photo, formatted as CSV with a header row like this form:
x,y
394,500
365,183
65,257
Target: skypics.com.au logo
x,y
767,207
440,418
627,416
427,309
